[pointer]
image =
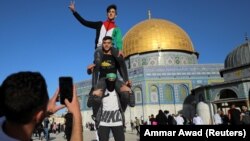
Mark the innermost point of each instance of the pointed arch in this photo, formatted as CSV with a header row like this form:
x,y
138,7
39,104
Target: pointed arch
x,y
138,95
183,92
227,93
168,95
154,94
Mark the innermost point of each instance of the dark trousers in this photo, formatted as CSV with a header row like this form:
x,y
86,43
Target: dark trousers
x,y
118,133
137,129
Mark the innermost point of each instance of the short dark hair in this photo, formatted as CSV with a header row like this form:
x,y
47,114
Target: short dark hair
x,y
23,94
107,38
112,6
166,112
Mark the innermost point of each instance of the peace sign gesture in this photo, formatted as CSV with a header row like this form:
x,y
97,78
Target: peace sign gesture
x,y
72,6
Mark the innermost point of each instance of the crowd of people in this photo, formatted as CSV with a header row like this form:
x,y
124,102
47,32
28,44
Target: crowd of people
x,y
48,126
162,118
234,116
53,127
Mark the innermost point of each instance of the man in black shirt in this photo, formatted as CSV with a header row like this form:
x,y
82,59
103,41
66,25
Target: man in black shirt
x,y
109,64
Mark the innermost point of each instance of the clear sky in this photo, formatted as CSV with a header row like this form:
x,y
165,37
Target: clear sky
x,y
43,35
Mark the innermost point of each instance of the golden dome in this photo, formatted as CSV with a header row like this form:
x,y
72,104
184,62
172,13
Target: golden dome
x,y
154,35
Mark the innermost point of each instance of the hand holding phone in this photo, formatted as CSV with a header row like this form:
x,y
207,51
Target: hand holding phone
x,y
66,88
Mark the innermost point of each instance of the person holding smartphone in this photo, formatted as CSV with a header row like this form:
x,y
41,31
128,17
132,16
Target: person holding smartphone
x,y
25,103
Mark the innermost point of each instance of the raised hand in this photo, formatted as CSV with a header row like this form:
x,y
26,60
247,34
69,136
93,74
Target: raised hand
x,y
129,83
120,53
91,68
98,92
72,6
125,88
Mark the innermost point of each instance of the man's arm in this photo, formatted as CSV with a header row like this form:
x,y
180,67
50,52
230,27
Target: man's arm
x,y
74,108
122,68
117,39
90,24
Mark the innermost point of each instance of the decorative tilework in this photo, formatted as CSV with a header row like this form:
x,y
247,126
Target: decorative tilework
x,y
162,58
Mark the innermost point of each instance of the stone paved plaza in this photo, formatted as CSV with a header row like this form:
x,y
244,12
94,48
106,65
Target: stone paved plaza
x,y
90,136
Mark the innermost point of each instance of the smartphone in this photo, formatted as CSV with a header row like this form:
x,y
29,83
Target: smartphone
x,y
65,88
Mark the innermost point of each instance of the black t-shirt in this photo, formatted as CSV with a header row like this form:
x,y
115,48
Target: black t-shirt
x,y
108,65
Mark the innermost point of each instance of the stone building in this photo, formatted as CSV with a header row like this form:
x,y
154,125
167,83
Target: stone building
x,y
235,89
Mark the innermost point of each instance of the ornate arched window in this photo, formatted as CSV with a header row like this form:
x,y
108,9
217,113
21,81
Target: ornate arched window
x,y
183,92
168,93
154,94
138,95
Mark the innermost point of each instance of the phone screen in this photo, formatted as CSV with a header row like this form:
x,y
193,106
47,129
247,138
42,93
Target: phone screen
x,y
66,88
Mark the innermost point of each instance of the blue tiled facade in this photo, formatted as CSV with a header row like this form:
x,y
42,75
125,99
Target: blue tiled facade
x,y
163,84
